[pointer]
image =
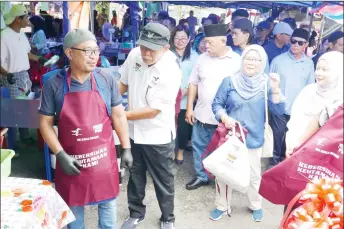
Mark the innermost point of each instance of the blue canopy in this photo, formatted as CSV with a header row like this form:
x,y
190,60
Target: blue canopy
x,y
252,4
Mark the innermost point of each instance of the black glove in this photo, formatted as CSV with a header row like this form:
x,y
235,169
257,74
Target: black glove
x,y
69,164
42,60
10,78
126,159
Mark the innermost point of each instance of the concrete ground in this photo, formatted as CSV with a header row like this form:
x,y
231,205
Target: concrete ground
x,y
192,208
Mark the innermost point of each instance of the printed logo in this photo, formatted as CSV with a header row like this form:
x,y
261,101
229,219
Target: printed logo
x,y
340,148
320,141
137,66
155,78
150,35
98,128
76,132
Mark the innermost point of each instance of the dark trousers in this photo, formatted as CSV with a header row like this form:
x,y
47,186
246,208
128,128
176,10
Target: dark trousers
x,y
184,131
157,159
279,128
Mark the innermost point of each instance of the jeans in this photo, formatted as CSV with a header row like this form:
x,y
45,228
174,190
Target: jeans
x,y
107,215
157,159
201,137
279,128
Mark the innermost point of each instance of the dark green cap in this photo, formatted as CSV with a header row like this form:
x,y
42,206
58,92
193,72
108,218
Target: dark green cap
x,y
154,36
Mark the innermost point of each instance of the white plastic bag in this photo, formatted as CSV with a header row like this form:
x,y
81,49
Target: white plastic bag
x,y
230,163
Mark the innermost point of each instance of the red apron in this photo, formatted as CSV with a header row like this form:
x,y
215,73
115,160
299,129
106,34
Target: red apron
x,y
85,132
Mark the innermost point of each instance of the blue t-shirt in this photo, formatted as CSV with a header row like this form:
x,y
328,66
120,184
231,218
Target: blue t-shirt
x,y
272,50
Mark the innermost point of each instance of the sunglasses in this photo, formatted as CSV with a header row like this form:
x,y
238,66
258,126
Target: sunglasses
x,y
300,43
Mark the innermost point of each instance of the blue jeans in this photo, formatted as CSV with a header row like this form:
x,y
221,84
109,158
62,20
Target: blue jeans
x,y
107,215
201,137
279,128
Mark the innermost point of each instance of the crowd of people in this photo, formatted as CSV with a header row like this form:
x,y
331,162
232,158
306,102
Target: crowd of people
x,y
181,85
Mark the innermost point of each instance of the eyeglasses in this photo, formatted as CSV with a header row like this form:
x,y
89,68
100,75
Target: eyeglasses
x,y
89,52
300,43
181,39
252,60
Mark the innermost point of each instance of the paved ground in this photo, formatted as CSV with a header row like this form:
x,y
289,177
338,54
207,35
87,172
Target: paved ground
x,y
191,207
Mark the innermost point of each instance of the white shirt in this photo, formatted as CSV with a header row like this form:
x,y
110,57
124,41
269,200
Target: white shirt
x,y
14,51
208,74
156,87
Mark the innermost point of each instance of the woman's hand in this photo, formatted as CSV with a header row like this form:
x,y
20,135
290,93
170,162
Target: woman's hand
x,y
228,121
185,92
275,82
289,152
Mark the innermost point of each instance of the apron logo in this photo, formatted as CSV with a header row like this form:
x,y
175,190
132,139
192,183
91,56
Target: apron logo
x,y
340,148
76,132
321,141
98,128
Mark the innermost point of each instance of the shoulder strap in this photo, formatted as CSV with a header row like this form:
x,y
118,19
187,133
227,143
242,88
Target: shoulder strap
x,y
101,88
266,104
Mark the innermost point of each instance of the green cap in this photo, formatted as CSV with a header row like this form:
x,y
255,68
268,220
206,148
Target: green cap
x,y
16,11
77,36
154,36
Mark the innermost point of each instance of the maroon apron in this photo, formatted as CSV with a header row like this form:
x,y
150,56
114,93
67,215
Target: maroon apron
x,y
85,132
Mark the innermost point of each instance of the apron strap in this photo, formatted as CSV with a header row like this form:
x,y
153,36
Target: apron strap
x,y
95,84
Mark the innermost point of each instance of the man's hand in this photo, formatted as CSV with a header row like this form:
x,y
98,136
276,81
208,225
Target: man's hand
x,y
42,60
69,164
10,78
228,121
189,117
127,159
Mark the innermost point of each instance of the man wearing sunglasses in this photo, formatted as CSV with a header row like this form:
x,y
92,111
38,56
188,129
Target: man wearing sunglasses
x,y
86,103
296,71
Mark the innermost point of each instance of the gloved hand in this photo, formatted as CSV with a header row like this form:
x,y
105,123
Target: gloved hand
x,y
126,159
42,60
69,164
10,78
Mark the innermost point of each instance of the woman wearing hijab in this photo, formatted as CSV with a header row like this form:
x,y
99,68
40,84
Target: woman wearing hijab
x,y
199,44
240,99
316,102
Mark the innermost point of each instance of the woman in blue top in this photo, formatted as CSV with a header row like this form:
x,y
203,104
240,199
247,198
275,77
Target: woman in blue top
x,y
180,45
241,99
39,40
199,44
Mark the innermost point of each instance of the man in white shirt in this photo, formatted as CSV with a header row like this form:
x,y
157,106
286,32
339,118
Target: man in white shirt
x,y
15,55
211,68
152,77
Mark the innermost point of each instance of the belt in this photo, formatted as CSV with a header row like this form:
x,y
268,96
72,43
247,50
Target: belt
x,y
206,125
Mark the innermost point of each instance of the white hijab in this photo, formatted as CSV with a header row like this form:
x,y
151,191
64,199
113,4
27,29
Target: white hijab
x,y
334,89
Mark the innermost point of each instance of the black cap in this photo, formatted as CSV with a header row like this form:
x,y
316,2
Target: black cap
x,y
215,30
301,33
335,36
244,24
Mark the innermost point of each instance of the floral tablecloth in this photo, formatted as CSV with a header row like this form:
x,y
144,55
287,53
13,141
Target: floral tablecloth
x,y
32,204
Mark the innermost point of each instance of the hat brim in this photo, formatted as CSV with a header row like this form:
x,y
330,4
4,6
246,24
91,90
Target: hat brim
x,y
149,45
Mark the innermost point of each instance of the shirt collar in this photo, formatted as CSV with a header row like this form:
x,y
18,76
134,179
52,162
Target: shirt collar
x,y
302,59
229,54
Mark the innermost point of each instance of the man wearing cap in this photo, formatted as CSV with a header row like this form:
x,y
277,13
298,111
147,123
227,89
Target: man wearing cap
x,y
210,69
86,104
279,45
15,56
296,71
152,78
262,32
335,43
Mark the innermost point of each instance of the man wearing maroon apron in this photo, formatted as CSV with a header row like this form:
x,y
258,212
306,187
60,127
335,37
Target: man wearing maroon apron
x,y
86,103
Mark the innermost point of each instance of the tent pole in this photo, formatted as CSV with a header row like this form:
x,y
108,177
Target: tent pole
x,y
321,33
312,18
